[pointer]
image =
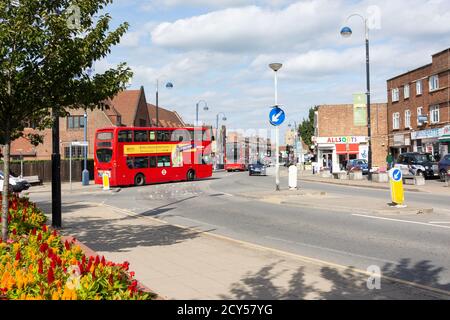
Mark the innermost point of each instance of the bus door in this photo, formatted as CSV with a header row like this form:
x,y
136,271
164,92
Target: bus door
x,y
160,169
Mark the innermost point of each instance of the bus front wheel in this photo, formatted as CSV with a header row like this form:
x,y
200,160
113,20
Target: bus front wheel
x,y
191,175
139,180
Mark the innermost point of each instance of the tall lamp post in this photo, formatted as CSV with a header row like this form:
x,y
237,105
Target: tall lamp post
x,y
85,176
205,108
169,85
276,67
218,137
346,32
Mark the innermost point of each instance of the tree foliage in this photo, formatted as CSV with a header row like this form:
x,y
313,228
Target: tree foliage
x,y
306,128
47,49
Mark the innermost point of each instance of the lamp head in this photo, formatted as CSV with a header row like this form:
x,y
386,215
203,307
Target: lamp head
x,y
275,66
224,118
169,85
346,32
206,108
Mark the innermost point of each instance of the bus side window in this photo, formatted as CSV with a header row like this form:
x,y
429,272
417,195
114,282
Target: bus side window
x,y
140,136
152,136
163,161
141,162
153,162
125,136
130,162
163,136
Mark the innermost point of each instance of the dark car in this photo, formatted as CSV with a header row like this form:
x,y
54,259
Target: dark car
x,y
358,165
444,167
417,164
257,168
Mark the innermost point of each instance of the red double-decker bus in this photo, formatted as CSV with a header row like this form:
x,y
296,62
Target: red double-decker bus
x,y
139,156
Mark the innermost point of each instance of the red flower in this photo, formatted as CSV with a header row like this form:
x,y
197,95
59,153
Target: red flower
x,y
39,237
53,264
33,233
126,265
132,274
111,279
18,255
14,205
50,276
103,260
43,247
40,267
93,274
14,232
97,260
44,228
67,245
83,259
80,265
55,234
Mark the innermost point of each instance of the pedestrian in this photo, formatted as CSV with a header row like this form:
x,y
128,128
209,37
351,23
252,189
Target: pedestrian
x,y
390,161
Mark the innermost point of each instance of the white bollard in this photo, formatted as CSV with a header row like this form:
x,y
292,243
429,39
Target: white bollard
x,y
293,177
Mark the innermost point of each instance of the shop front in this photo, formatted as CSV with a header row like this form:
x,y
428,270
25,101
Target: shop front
x,y
335,152
434,141
400,143
444,141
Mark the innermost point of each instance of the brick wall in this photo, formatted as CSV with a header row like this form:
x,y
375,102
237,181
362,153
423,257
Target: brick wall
x,y
440,66
337,121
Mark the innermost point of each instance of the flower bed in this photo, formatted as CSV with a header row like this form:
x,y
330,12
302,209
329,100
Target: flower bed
x,y
37,264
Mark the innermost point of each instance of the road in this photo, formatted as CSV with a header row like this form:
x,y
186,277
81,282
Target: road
x,y
408,250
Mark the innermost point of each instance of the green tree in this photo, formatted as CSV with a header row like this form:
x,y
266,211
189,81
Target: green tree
x,y
47,49
306,128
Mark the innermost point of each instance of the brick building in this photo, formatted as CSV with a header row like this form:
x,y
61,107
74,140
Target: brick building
x,y
338,140
419,108
128,108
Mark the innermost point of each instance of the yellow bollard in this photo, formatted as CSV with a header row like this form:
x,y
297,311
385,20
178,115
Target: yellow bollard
x,y
397,190
105,182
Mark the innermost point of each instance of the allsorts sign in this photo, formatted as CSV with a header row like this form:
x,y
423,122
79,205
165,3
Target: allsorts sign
x,y
341,140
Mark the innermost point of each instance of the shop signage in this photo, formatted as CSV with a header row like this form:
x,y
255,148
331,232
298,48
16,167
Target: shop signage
x,y
359,110
341,140
427,134
446,131
399,140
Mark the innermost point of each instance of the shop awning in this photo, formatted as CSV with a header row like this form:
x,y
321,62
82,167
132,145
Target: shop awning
x,y
444,139
347,149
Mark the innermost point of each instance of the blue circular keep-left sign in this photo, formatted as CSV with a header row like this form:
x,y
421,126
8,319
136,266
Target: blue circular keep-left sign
x,y
396,175
277,116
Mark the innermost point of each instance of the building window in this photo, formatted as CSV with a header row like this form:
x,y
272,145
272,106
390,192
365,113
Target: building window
x,y
77,152
419,113
396,121
407,119
419,87
434,83
406,91
75,122
395,95
434,114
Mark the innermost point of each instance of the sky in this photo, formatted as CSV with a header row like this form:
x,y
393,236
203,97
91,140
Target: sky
x,y
219,51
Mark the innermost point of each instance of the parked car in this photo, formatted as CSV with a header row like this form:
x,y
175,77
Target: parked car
x,y
417,164
257,168
15,184
358,165
444,167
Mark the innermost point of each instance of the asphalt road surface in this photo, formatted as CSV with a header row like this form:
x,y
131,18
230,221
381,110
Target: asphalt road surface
x,y
411,251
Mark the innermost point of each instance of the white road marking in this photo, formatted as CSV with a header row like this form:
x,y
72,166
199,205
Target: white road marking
x,y
332,250
399,220
439,222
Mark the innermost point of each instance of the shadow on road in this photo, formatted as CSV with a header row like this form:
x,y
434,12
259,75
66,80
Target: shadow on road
x,y
341,285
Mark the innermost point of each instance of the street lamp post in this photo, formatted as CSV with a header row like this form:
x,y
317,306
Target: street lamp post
x,y
205,108
346,32
276,67
169,85
85,176
218,137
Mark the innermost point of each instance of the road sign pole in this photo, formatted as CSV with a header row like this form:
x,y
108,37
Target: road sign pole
x,y
277,151
70,166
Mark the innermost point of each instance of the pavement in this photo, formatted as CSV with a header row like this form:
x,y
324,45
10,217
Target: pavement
x,y
431,186
184,263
